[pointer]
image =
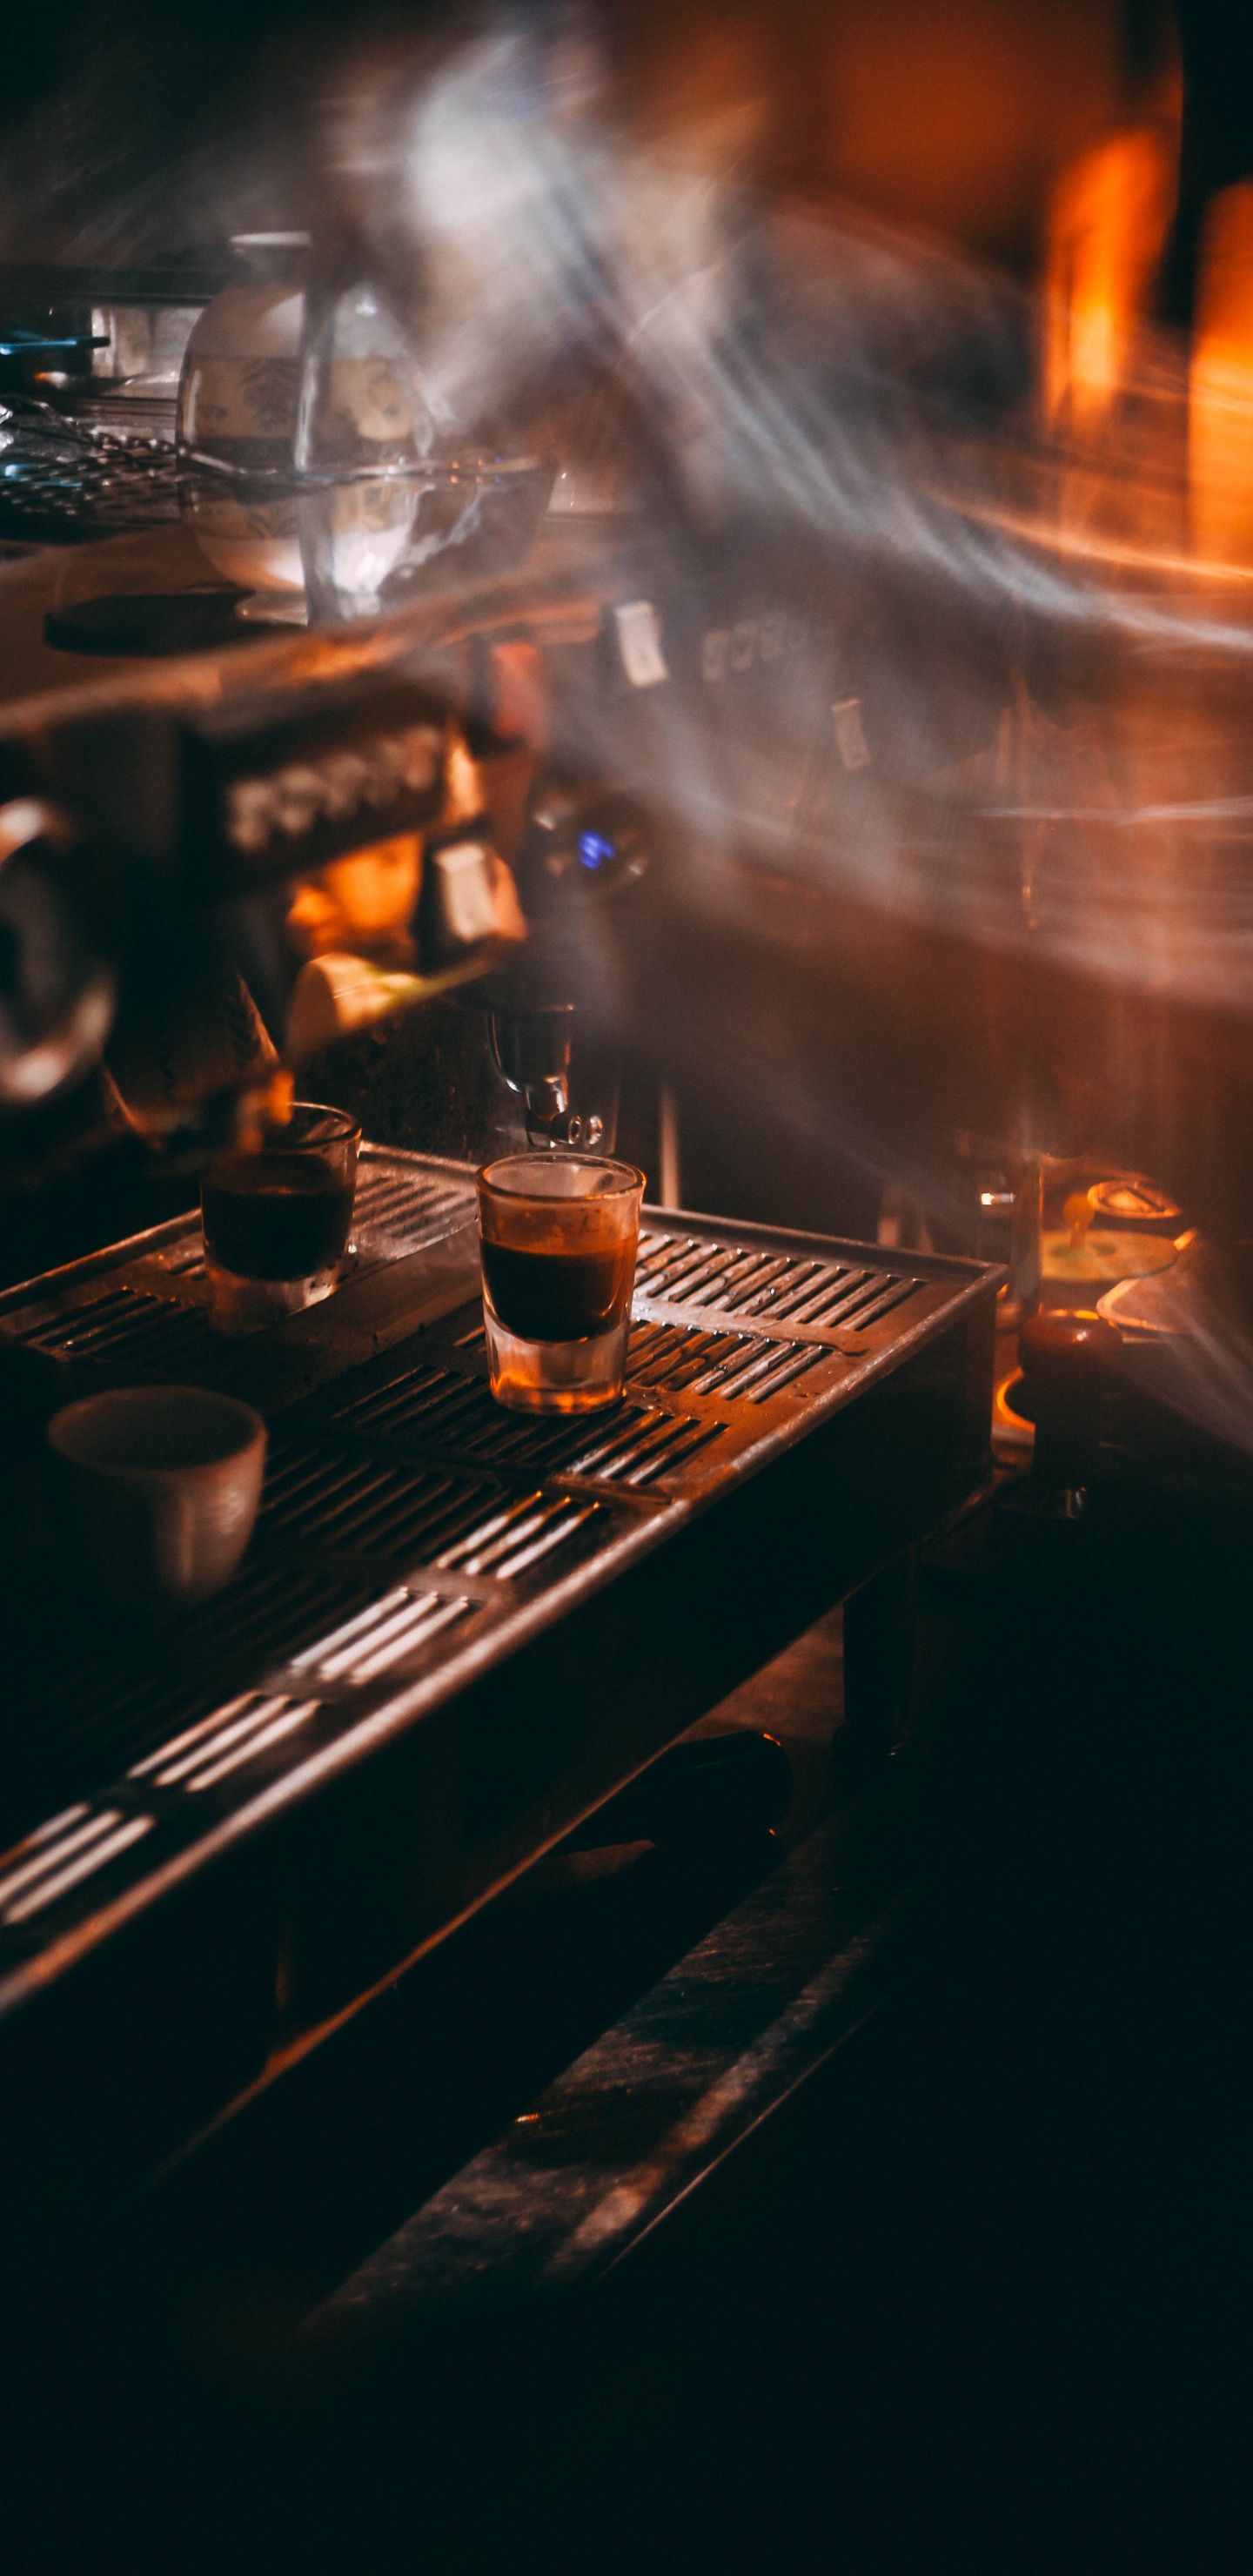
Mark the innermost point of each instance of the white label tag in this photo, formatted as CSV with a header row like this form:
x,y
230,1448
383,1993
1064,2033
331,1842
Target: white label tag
x,y
469,903
850,739
639,642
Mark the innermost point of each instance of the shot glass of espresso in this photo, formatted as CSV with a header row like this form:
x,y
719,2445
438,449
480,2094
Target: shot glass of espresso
x,y
559,1235
276,1220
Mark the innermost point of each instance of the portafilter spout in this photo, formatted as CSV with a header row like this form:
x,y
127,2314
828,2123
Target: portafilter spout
x,y
531,1051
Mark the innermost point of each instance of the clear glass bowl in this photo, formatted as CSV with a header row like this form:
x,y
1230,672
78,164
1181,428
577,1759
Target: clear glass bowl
x,y
373,541
314,470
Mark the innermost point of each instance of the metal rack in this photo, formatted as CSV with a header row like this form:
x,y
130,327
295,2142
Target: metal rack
x,y
457,1629
65,477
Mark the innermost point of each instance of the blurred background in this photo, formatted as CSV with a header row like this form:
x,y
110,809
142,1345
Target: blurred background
x,y
134,131
946,313
957,302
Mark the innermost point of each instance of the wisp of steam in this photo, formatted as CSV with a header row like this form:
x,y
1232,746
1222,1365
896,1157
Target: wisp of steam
x,y
1036,708
1042,679
825,387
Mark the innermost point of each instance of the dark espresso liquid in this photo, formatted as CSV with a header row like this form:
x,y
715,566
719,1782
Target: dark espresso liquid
x,y
558,1296
275,1216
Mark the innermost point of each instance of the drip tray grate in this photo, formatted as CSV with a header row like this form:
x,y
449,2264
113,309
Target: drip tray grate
x,y
735,1367
225,1741
747,1280
367,1504
413,1535
55,1860
343,1499
447,1410
116,1695
125,1329
400,1208
382,1637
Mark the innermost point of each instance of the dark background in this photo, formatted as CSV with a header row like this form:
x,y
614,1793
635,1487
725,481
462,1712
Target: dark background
x,y
133,131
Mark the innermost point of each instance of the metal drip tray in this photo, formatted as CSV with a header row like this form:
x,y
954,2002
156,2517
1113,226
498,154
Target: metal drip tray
x,y
457,1630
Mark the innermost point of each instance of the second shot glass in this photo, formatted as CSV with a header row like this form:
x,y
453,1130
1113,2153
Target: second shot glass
x,y
559,1235
277,1220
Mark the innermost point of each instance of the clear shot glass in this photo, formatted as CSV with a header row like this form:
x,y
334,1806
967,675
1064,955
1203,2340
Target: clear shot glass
x,y
559,1234
276,1220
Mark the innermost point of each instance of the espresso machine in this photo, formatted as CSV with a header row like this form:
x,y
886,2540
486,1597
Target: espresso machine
x,y
277,1800
729,844
134,844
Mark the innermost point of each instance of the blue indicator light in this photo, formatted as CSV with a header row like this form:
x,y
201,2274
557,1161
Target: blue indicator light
x,y
593,851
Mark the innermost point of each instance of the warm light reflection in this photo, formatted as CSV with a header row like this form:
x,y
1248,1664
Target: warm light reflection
x,y
1220,411
1107,231
363,904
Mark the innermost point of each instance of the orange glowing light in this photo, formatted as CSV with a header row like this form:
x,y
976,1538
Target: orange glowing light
x,y
1220,405
363,904
1107,231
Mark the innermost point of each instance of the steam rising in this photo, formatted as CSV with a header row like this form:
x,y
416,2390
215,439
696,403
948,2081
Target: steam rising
x,y
998,696
859,405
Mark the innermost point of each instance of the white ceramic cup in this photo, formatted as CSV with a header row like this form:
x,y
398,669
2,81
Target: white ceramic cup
x,y
156,1489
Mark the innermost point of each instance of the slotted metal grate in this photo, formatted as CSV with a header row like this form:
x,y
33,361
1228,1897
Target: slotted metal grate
x,y
271,1607
111,1702
66,476
370,1504
186,1260
749,1280
733,1366
397,1203
629,1443
103,1705
410,1526
60,1854
347,1500
383,1637
515,1537
232,1735
124,1328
